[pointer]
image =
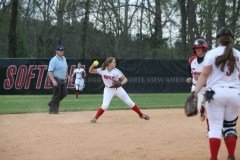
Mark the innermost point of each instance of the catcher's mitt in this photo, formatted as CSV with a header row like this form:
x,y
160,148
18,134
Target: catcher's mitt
x,y
116,84
191,105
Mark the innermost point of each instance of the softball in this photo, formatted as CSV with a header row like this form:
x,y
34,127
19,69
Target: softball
x,y
95,63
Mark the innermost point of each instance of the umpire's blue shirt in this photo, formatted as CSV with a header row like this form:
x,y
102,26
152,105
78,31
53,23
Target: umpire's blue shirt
x,y
58,66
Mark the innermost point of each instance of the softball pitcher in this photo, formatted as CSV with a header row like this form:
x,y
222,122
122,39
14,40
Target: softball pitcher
x,y
79,81
110,74
221,76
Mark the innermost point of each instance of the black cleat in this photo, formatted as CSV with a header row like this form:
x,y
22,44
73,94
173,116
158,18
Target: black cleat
x,y
144,116
94,120
53,112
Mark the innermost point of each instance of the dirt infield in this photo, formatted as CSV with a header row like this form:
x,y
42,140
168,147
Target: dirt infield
x,y
119,135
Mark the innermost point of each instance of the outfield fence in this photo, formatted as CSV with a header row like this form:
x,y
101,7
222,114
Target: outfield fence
x,y
29,76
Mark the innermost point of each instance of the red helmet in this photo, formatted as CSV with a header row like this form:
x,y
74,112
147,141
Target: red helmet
x,y
200,43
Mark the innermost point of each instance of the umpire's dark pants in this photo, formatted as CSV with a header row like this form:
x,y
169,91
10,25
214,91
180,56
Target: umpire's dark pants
x,y
59,92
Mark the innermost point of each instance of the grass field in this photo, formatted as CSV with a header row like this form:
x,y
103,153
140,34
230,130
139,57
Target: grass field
x,y
38,103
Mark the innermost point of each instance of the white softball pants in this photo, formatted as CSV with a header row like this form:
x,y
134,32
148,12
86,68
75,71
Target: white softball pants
x,y
79,84
224,106
120,93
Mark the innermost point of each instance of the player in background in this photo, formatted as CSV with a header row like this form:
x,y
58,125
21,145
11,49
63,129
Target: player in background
x,y
200,47
109,72
220,74
79,80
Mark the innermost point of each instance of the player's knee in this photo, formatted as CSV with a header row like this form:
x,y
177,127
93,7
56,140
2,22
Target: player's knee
x,y
215,130
229,128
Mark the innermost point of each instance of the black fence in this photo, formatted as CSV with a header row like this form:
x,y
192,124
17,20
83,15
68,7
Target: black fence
x,y
29,76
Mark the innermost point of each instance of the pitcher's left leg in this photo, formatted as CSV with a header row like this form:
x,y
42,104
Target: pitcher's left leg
x,y
122,94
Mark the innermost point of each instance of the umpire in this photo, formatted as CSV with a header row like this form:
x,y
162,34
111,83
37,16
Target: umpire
x,y
57,72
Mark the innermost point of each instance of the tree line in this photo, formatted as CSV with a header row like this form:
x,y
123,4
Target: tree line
x,y
120,28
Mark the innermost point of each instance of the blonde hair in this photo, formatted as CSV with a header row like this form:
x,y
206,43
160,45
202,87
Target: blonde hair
x,y
107,62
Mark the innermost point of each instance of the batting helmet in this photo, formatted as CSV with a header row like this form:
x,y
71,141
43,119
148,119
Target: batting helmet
x,y
200,43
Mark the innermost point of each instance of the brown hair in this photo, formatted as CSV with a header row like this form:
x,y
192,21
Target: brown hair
x,y
107,62
225,38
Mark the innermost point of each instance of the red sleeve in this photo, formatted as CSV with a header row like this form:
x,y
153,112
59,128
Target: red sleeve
x,y
191,58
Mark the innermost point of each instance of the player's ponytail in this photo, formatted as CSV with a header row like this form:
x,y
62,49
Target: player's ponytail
x,y
225,38
107,62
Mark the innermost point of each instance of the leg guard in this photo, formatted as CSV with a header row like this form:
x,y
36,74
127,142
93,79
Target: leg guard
x,y
229,128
